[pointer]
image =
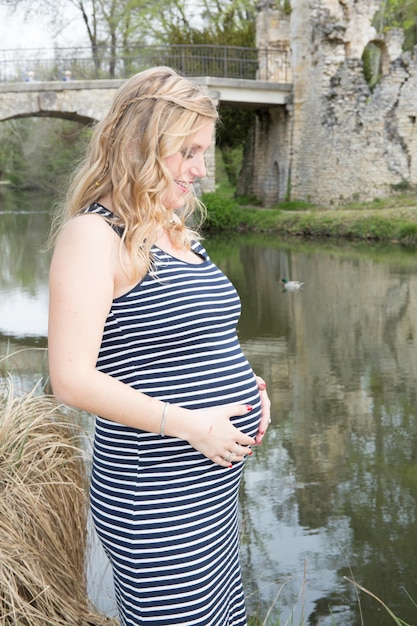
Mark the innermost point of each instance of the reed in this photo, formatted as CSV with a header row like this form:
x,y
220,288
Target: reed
x,y
43,514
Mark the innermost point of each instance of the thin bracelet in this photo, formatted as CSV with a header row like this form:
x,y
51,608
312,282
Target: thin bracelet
x,y
164,419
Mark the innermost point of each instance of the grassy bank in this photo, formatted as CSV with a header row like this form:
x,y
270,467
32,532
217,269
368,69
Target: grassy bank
x,y
393,219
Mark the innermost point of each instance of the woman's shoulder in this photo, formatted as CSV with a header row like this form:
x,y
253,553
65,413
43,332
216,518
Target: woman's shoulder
x,y
86,228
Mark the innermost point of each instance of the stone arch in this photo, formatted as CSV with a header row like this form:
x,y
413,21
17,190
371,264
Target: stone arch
x,y
64,115
382,51
85,104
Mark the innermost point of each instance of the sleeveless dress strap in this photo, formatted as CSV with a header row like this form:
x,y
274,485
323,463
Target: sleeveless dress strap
x,y
109,216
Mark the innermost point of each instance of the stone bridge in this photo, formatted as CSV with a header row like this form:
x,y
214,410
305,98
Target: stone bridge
x,y
87,100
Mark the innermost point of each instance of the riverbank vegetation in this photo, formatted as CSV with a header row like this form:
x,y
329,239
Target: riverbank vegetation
x,y
392,219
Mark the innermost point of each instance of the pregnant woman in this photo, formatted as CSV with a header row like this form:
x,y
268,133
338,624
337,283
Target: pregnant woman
x,y
142,334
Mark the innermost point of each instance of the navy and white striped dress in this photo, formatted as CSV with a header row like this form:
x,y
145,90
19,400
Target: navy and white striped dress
x,y
166,515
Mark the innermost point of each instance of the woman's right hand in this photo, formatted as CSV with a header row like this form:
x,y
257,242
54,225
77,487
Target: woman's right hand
x,y
213,434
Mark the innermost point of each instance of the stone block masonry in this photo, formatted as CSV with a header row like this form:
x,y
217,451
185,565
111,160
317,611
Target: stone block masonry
x,y
349,143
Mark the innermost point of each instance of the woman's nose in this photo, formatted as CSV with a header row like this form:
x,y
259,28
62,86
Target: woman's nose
x,y
199,167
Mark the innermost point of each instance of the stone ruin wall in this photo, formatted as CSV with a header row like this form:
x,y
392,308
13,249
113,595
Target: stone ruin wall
x,y
344,141
349,143
273,34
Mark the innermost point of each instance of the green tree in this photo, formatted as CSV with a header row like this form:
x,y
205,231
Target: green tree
x,y
399,14
231,23
39,153
12,139
114,27
52,148
231,137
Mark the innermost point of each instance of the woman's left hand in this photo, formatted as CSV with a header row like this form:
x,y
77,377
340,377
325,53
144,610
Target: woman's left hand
x,y
265,410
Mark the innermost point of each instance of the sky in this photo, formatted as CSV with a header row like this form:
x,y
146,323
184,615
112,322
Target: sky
x,y
17,32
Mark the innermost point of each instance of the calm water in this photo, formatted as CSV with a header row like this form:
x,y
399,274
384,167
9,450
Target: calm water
x,y
330,497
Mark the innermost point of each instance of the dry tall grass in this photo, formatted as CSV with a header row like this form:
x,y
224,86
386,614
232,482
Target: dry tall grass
x,y
43,514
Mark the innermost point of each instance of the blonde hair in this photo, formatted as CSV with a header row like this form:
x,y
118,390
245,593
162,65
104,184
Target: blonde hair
x,y
152,116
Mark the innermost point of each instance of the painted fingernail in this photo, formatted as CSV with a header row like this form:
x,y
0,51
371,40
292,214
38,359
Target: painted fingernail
x,y
250,453
230,466
249,407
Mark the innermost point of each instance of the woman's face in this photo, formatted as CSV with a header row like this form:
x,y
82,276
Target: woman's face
x,y
186,165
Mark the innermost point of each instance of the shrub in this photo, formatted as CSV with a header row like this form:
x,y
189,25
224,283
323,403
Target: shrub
x,y
222,213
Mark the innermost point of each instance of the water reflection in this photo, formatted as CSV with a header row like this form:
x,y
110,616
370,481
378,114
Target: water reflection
x,y
331,493
24,224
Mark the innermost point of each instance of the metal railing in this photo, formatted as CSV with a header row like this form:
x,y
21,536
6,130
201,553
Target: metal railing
x,y
191,60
